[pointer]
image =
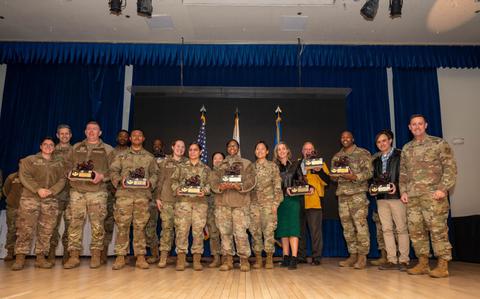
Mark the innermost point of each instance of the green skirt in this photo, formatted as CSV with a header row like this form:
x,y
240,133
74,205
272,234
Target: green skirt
x,y
288,217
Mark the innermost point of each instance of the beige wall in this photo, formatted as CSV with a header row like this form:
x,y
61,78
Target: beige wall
x,y
460,104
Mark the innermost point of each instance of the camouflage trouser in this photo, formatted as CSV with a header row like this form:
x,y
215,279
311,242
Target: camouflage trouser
x,y
95,205
263,222
425,214
353,211
35,213
128,210
167,214
378,226
11,228
194,215
109,222
63,201
213,233
233,223
151,227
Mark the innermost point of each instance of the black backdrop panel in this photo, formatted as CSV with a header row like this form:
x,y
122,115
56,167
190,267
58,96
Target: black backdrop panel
x,y
318,120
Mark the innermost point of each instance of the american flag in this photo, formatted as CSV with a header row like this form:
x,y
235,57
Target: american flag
x,y
202,135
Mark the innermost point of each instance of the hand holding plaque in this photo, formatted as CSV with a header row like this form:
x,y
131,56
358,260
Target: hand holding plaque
x,y
341,166
300,187
381,184
232,174
191,187
83,172
136,179
313,161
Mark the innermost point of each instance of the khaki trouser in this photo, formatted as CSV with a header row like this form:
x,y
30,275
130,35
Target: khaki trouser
x,y
393,211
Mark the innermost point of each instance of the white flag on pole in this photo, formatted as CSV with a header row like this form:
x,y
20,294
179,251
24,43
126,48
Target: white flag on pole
x,y
236,128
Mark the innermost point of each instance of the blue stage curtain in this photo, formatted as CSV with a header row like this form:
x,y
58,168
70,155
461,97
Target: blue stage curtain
x,y
39,97
416,92
345,56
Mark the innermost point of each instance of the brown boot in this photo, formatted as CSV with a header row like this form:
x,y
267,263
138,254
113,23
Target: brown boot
x,y
258,261
73,261
163,259
52,255
119,262
180,262
141,262
227,263
244,264
42,263
361,262
421,268
215,262
95,259
154,257
10,255
382,260
66,256
104,255
349,262
441,270
269,261
19,262
197,264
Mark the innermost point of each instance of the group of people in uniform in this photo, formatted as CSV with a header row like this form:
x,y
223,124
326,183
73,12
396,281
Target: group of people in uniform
x,y
227,200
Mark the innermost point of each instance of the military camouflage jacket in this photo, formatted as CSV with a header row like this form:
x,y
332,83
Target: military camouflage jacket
x,y
36,172
269,184
164,185
233,198
127,161
427,166
360,164
12,189
187,170
63,152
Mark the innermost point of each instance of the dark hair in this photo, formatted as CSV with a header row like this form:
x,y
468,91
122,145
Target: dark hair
x,y
261,142
215,153
137,129
346,131
64,126
125,131
177,140
47,138
93,122
238,144
386,132
197,144
417,115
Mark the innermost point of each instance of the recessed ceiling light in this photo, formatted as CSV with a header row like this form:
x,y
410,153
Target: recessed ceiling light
x,y
2,18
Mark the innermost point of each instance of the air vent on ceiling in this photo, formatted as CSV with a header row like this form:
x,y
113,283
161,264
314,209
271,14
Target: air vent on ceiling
x,y
160,22
293,23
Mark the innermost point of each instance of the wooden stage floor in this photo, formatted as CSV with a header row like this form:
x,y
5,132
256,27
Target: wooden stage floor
x,y
324,281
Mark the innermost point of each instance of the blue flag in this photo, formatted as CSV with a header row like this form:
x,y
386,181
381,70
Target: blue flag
x,y
202,135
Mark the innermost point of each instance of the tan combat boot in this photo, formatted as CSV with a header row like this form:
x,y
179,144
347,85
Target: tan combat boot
x,y
119,262
104,255
73,261
349,262
227,263
51,256
258,261
244,264
141,262
382,260
42,263
10,255
66,256
163,259
180,262
361,262
19,262
421,268
269,261
95,258
215,262
441,270
197,264
154,257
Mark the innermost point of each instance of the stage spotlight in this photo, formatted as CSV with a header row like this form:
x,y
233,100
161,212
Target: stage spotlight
x,y
116,6
369,9
144,8
396,8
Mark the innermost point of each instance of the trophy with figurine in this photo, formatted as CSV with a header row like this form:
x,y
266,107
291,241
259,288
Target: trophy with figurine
x,y
136,179
83,171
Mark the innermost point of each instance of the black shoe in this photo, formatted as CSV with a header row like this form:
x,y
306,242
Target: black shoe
x,y
286,261
301,260
404,266
389,266
316,261
293,263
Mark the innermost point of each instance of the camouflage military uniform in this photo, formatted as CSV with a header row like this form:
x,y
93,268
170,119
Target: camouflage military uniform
x,y
427,166
12,191
353,202
213,232
88,198
132,204
190,211
35,212
165,193
63,200
232,207
266,195
151,227
378,228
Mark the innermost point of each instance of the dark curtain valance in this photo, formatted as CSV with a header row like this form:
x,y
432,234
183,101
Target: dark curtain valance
x,y
343,56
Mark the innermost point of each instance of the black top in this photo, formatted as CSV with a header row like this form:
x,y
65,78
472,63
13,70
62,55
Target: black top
x,y
393,170
289,173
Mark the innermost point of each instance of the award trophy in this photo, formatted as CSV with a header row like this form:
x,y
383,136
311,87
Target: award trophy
x,y
341,166
232,174
136,179
191,186
312,161
381,184
300,187
83,172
